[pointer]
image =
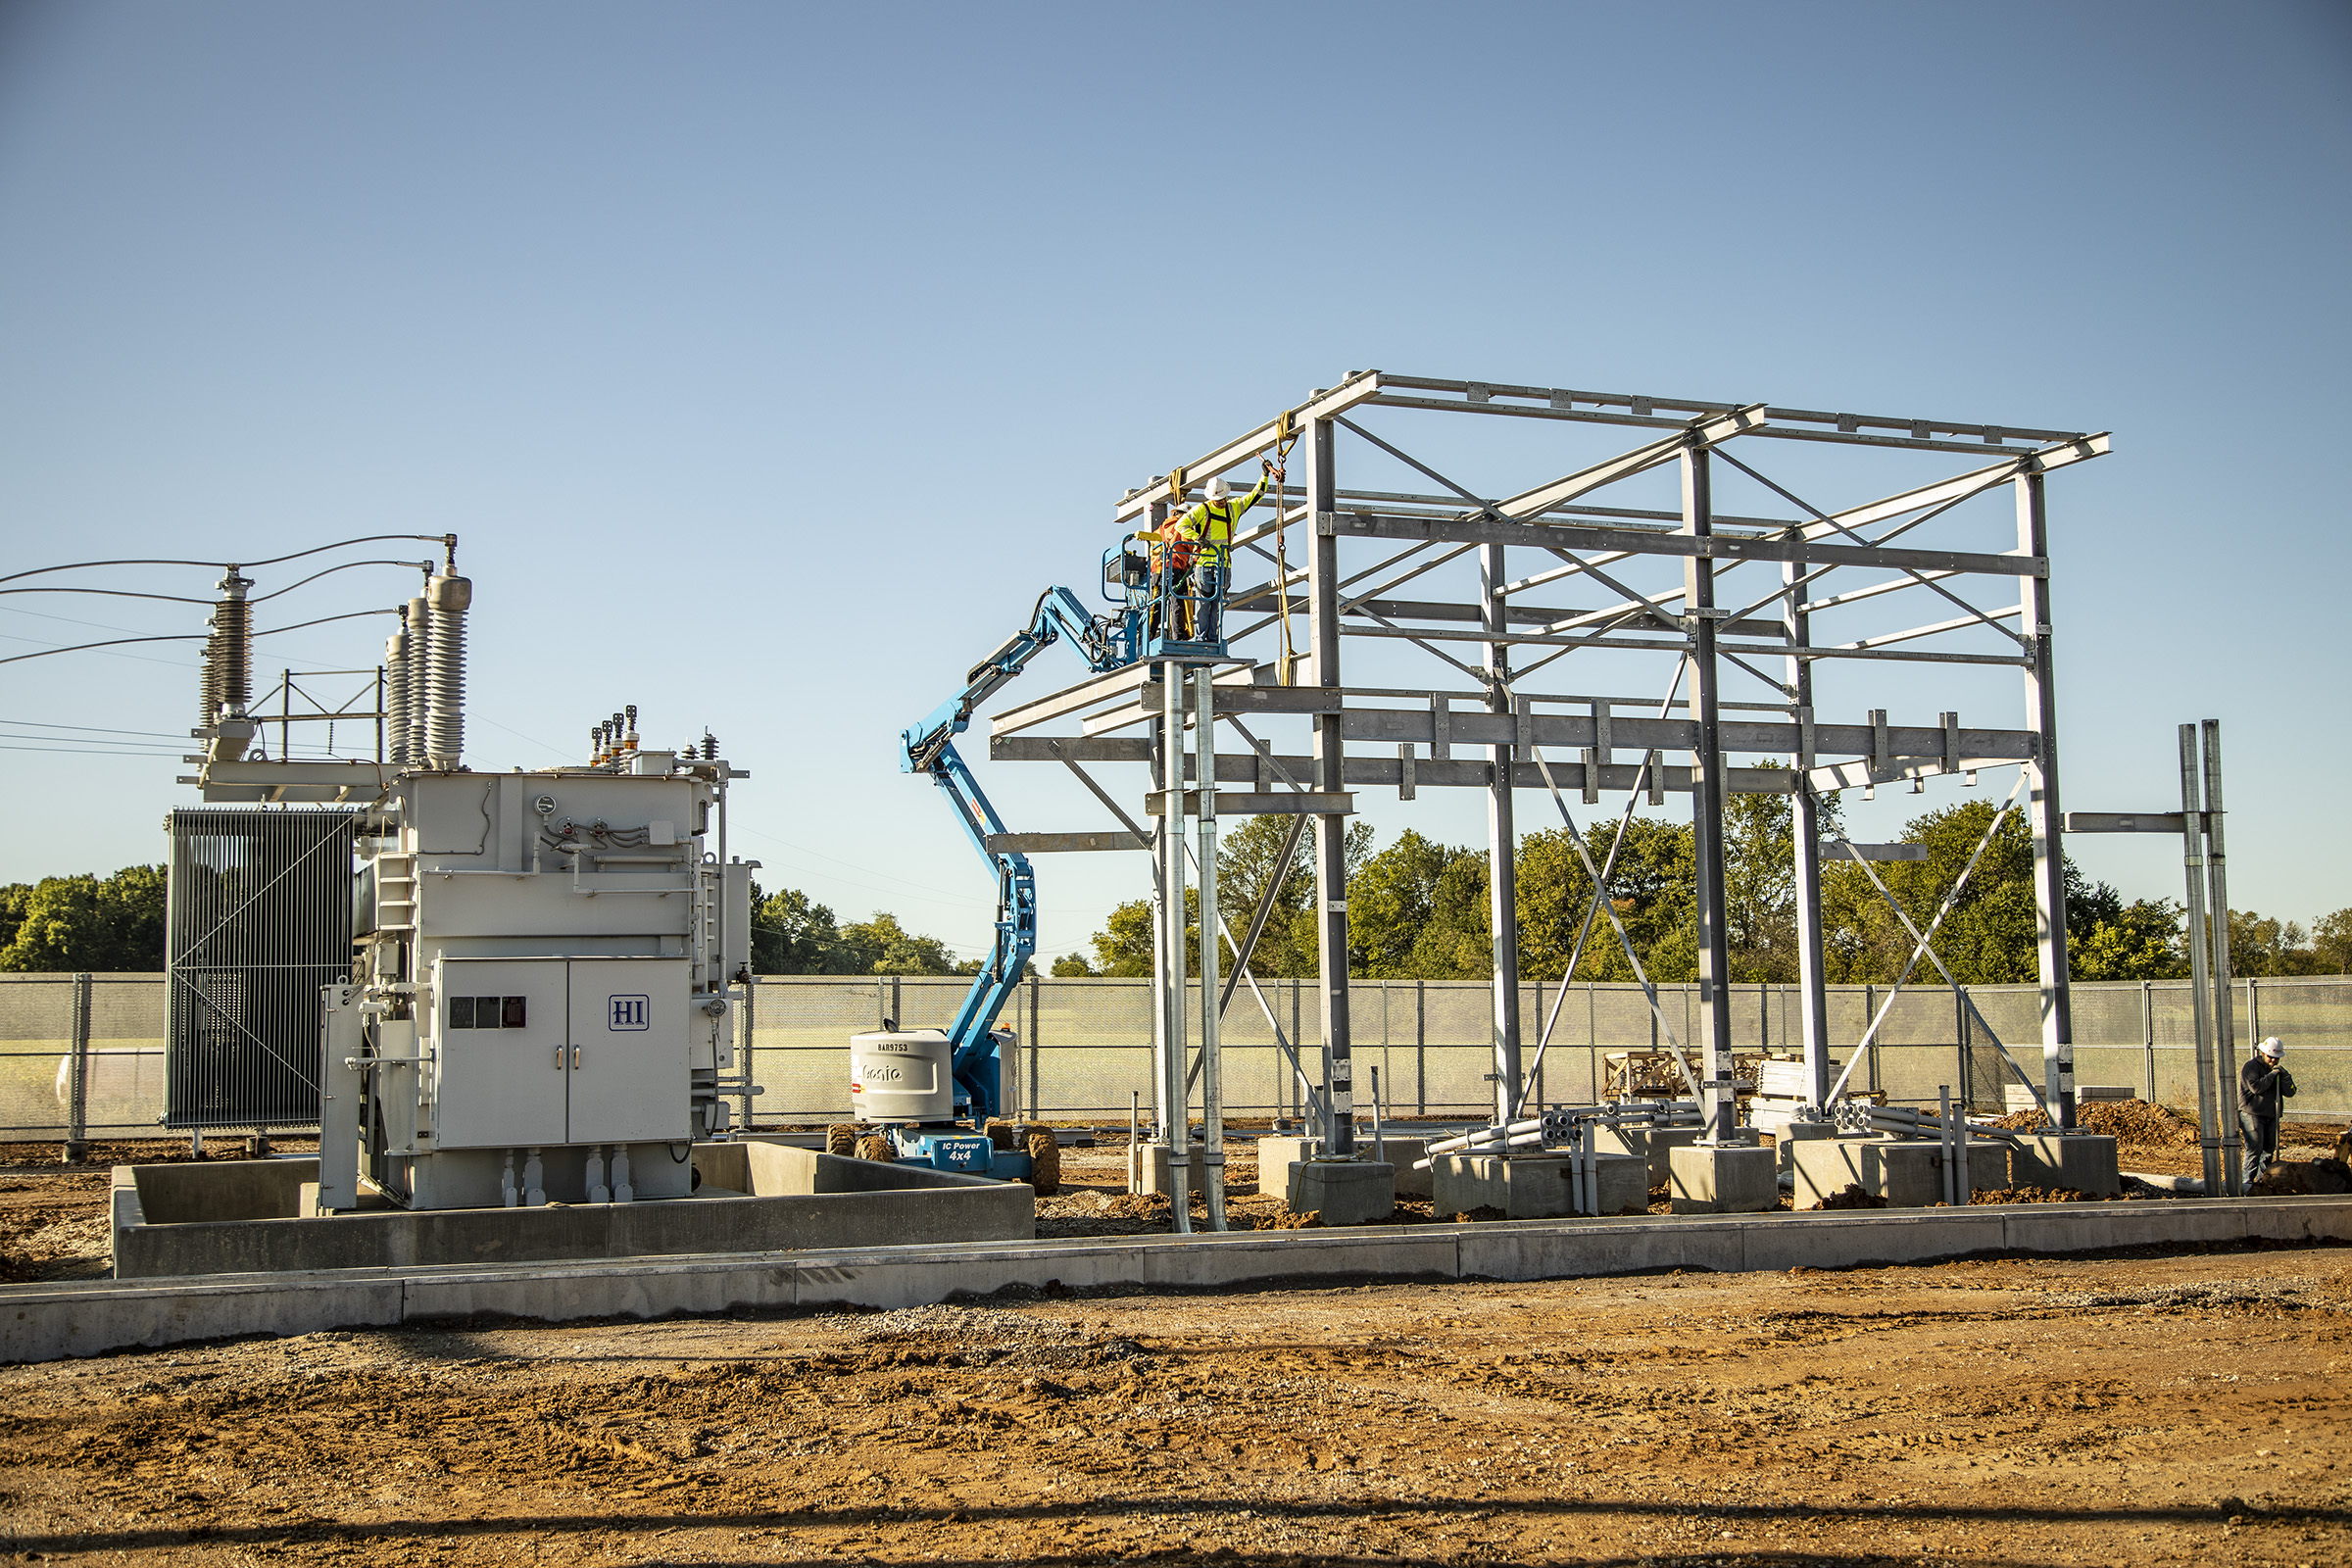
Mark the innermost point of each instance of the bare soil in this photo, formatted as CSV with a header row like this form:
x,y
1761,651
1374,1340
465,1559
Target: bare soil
x,y
2146,1409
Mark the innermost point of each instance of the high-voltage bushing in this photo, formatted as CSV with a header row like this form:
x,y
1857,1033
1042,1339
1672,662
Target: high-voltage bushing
x,y
448,599
417,617
396,697
227,678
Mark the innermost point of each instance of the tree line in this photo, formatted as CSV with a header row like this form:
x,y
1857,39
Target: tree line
x,y
1418,908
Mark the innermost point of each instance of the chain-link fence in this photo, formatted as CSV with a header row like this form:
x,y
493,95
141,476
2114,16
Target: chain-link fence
x,y
1084,1046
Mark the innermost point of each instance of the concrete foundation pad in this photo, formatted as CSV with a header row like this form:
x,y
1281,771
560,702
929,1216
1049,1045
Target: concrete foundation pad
x,y
1277,1154
1791,1134
1655,1144
2082,1161
1909,1174
89,1317
1720,1179
1536,1186
1345,1192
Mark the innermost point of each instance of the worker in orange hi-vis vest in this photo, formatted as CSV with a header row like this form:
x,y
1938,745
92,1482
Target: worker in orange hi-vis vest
x,y
1208,529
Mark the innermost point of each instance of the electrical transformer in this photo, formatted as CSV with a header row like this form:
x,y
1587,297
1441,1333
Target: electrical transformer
x,y
540,1006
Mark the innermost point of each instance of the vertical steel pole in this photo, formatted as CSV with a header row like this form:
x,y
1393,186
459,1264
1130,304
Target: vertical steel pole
x,y
78,1089
2192,855
748,1031
1503,839
1813,1006
2147,1032
1331,830
1175,1099
1212,1066
2224,1020
1720,1105
2046,820
1164,780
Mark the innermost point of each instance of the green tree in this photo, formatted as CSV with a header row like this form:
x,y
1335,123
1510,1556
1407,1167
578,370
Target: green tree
x,y
1074,967
792,934
84,923
1418,911
2332,943
881,946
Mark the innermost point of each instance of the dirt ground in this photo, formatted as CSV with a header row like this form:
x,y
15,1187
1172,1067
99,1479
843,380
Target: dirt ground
x,y
2142,1409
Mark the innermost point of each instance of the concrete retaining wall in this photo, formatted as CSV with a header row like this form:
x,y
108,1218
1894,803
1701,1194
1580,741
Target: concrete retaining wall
x,y
757,1197
45,1322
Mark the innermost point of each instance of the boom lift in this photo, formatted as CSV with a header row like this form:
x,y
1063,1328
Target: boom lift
x,y
927,1117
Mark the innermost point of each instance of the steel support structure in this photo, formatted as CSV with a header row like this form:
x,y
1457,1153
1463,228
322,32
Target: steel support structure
x,y
1587,564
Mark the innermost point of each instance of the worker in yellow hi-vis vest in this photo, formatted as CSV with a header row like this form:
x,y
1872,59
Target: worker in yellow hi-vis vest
x,y
1209,528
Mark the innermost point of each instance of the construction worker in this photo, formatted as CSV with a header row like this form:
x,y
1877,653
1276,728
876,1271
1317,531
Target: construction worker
x,y
2264,1084
1209,528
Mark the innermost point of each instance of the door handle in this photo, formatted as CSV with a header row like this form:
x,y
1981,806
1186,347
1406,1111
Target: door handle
x,y
576,1058
559,1058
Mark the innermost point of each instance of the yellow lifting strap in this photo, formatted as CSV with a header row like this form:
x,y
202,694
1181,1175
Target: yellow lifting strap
x,y
1286,435
1176,486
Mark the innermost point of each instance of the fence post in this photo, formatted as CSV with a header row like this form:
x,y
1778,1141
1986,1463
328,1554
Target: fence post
x,y
1870,1011
2253,1012
77,1102
1967,1065
1593,1043
1029,1102
1420,1047
2147,1032
747,1033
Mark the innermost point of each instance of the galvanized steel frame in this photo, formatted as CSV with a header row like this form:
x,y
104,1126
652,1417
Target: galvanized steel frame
x,y
1709,641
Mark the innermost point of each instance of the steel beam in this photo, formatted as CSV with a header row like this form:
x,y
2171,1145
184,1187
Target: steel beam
x,y
1318,409
2225,1016
1062,842
1813,1009
1636,542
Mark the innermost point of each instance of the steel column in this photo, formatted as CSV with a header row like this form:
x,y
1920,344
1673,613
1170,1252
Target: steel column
x,y
2192,856
1212,1070
1721,1105
1331,830
1503,839
2045,818
1175,1100
2217,911
1813,1014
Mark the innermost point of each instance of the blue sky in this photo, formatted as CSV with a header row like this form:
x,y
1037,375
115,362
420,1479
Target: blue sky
x,y
768,360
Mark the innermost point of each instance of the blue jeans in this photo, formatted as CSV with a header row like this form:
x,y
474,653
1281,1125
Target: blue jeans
x,y
1212,602
2260,1143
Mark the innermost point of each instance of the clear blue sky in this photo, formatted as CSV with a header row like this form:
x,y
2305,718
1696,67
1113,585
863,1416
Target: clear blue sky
x,y
770,359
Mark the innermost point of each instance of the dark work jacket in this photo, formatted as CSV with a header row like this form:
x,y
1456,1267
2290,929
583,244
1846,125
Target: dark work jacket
x,y
2261,1087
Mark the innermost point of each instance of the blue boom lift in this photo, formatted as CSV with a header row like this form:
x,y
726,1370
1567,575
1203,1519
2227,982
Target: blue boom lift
x,y
1150,611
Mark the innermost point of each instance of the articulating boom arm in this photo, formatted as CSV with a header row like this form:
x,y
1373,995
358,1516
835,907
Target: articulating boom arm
x,y
929,747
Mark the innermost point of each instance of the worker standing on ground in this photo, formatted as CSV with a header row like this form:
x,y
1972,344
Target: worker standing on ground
x,y
1209,528
2264,1085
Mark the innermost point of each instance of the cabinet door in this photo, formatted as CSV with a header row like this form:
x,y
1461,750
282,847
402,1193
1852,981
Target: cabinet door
x,y
628,1076
501,1038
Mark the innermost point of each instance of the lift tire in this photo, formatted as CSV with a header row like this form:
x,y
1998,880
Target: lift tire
x,y
877,1148
1004,1137
1044,1161
840,1138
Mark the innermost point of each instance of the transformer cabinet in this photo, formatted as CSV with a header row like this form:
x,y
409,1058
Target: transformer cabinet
x,y
545,968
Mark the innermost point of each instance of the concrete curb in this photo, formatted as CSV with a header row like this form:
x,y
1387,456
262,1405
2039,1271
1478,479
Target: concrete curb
x,y
48,1322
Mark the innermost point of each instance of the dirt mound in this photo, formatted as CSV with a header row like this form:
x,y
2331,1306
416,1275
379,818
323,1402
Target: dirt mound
x,y
2135,1123
1483,1211
2031,1195
1290,1219
1851,1196
2301,1178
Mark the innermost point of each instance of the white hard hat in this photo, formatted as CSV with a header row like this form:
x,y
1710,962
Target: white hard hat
x,y
2272,1047
1218,490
